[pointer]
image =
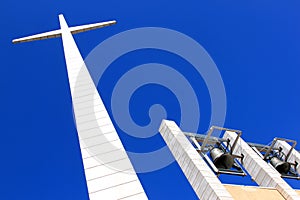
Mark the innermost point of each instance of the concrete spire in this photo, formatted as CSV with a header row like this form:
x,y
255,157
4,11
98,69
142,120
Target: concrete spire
x,y
96,132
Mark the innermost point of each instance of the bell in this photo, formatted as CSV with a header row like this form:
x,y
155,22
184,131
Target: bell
x,y
281,166
220,159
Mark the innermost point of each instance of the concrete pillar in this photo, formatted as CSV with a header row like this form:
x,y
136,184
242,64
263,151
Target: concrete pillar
x,y
262,173
108,170
202,179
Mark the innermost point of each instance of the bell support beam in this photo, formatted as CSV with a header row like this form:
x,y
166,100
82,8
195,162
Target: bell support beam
x,y
262,173
202,179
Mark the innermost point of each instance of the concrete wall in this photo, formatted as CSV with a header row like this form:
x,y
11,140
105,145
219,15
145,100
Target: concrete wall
x,y
253,193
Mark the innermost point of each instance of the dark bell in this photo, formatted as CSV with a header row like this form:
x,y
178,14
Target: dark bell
x,y
220,159
281,166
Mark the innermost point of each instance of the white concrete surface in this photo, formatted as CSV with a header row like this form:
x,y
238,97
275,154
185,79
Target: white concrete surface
x,y
109,172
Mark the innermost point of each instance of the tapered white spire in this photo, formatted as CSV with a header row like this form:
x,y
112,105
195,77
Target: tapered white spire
x,y
108,171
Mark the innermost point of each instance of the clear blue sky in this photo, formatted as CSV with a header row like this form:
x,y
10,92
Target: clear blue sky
x,y
255,44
